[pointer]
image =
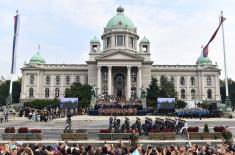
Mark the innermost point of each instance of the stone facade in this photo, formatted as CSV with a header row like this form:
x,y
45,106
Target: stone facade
x,y
119,68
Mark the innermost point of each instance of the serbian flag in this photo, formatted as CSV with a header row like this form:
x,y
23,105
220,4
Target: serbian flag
x,y
206,48
15,40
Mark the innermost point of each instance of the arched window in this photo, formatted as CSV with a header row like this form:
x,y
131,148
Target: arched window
x,y
105,79
209,94
67,80
77,78
30,92
182,94
57,80
182,81
105,90
47,93
172,79
48,80
193,93
133,91
133,76
192,80
31,79
208,80
57,92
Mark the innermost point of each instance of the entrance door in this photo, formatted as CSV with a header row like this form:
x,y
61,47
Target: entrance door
x,y
119,92
119,82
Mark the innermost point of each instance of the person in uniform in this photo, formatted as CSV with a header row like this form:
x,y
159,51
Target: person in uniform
x,y
110,122
227,136
127,123
138,125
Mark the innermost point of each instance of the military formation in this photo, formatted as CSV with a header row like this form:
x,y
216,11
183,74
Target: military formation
x,y
115,125
192,113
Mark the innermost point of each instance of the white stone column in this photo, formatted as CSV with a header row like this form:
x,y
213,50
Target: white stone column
x,y
128,82
109,80
139,86
99,80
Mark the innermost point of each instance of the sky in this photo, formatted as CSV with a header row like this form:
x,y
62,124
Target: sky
x,y
176,29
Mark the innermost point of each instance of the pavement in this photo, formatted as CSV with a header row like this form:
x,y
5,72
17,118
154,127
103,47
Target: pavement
x,y
53,128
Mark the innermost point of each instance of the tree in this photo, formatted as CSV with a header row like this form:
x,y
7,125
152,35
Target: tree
x,y
42,103
82,92
152,92
167,88
4,91
206,128
16,90
180,104
231,89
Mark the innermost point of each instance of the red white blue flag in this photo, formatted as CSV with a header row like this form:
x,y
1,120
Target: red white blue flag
x,y
206,48
15,40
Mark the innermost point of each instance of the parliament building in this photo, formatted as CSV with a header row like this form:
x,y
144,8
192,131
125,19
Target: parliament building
x,y
122,67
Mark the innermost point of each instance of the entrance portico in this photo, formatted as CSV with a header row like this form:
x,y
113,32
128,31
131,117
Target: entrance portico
x,y
122,81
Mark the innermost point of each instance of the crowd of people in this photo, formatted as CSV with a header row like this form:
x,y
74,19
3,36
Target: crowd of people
x,y
14,148
192,113
107,105
112,101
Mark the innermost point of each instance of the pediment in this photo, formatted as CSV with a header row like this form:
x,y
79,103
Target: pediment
x,y
120,55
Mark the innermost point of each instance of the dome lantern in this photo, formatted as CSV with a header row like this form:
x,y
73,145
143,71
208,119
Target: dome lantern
x,y
120,10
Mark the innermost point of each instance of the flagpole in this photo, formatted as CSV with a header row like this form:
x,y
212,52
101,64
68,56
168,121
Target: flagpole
x,y
13,63
225,67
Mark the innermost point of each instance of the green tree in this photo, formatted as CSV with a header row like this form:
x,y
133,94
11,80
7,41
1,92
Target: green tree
x,y
82,92
231,89
152,92
180,104
167,88
204,105
206,128
4,91
16,90
42,103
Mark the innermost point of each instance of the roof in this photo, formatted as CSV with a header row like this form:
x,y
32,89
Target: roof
x,y
94,40
120,20
203,60
144,40
37,59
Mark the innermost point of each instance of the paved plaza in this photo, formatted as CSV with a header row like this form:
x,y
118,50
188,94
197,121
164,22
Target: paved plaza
x,y
53,128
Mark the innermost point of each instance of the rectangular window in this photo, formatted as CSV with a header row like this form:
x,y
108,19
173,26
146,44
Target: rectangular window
x,y
131,41
145,48
119,40
95,48
108,42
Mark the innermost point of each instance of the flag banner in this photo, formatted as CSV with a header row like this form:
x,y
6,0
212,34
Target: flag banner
x,y
15,39
206,48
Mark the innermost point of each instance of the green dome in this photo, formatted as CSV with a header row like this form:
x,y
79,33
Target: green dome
x,y
203,61
37,59
94,40
120,20
144,40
